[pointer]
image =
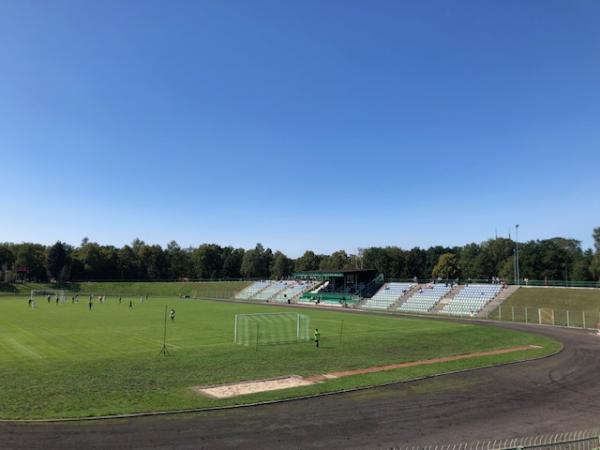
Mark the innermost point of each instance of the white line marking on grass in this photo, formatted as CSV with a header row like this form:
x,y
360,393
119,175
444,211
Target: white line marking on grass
x,y
23,349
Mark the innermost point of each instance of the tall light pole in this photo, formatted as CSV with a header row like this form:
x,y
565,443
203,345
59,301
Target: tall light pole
x,y
517,254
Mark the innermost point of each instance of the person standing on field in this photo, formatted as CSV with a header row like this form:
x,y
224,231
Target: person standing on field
x,y
130,304
317,337
90,304
172,314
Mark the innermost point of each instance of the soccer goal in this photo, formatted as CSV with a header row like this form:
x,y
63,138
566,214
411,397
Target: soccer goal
x,y
270,328
45,292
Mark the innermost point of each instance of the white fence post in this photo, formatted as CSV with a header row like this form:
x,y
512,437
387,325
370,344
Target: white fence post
x,y
568,324
552,317
539,316
526,314
583,316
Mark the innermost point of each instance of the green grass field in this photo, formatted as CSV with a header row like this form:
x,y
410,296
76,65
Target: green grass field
x,y
66,361
209,289
556,298
559,306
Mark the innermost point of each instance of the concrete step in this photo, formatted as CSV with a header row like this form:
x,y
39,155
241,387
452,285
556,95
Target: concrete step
x,y
500,298
394,306
447,298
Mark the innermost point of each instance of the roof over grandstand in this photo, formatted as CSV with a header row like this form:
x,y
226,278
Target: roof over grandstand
x,y
334,273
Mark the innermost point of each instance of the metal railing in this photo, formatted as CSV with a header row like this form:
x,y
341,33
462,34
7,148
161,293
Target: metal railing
x,y
577,440
547,316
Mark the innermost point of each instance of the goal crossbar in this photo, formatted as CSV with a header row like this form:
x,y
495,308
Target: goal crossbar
x,y
270,328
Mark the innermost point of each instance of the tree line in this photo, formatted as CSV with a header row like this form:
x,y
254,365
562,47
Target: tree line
x,y
551,259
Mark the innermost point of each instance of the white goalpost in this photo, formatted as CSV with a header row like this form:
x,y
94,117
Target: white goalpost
x,y
45,293
270,328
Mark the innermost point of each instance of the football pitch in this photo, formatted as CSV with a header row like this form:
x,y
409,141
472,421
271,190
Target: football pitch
x,y
65,360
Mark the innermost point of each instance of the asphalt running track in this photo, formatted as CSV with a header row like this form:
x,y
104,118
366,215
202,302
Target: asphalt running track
x,y
560,393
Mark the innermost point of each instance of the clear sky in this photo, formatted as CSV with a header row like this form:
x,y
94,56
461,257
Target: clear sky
x,y
299,124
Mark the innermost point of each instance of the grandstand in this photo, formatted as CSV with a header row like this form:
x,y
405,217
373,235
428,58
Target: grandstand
x,y
387,295
348,289
274,288
252,290
293,290
340,287
471,299
425,299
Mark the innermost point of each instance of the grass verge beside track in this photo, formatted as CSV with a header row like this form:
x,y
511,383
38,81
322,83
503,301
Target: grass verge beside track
x,y
67,361
556,298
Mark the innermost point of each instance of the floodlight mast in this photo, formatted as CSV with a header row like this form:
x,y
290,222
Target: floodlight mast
x,y
517,255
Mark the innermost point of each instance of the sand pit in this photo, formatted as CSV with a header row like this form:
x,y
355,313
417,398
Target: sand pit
x,y
274,384
250,387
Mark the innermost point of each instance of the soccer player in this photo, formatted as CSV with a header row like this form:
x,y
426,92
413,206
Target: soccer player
x,y
119,300
48,299
130,304
30,302
57,299
317,337
90,304
172,314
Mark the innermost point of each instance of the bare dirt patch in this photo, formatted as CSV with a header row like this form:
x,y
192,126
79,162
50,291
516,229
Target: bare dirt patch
x,y
251,387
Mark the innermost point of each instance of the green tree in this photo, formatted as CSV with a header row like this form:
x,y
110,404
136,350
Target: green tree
x,y
155,262
336,261
178,260
446,267
57,262
232,262
207,261
282,266
377,258
31,258
256,262
7,260
595,264
308,262
128,264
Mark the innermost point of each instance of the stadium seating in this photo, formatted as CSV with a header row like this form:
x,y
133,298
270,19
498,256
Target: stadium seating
x,y
294,289
471,299
251,290
425,299
274,288
387,295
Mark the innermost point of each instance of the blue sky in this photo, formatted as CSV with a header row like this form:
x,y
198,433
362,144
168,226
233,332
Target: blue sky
x,y
306,124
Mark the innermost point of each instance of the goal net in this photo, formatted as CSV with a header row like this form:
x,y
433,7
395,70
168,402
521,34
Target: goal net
x,y
270,328
45,293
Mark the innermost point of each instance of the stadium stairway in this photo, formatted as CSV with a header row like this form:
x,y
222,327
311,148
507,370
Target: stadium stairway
x,y
405,297
500,298
273,289
252,290
447,298
386,296
472,299
320,287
